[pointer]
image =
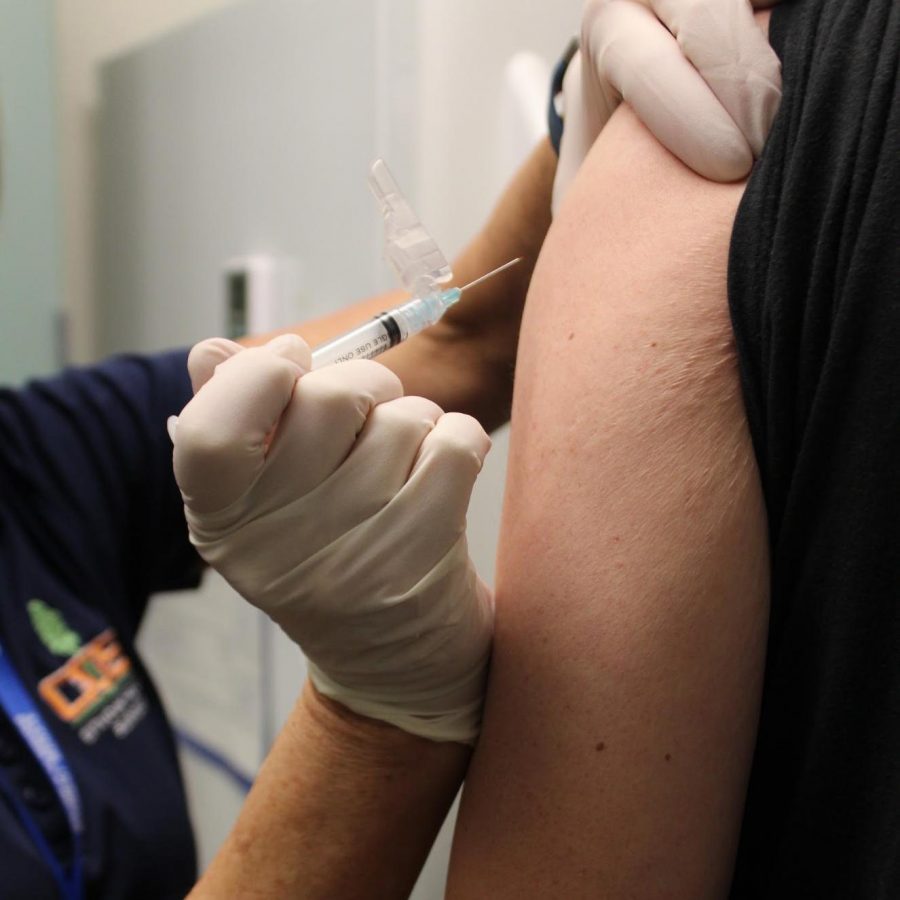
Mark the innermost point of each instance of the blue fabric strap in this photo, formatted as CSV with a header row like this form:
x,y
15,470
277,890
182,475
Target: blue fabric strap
x,y
26,717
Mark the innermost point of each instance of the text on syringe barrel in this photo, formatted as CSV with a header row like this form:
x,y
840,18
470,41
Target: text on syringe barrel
x,y
365,342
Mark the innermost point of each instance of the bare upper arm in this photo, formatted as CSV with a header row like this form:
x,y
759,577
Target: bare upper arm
x,y
633,571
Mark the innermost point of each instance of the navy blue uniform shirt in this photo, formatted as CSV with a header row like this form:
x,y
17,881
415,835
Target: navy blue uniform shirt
x,y
91,524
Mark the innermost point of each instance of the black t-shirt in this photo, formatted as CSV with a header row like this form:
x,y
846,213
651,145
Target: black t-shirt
x,y
91,523
814,288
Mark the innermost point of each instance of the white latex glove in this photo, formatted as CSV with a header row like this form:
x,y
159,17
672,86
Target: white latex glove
x,y
700,74
338,507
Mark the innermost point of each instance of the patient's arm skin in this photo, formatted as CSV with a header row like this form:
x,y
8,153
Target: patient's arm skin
x,y
632,588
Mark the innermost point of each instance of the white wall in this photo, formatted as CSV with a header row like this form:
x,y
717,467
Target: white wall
x,y
88,33
29,192
463,45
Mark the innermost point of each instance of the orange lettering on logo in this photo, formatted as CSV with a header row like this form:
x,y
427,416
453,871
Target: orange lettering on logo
x,y
108,657
86,678
68,692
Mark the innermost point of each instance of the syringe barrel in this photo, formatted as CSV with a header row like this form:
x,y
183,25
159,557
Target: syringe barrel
x,y
363,342
384,331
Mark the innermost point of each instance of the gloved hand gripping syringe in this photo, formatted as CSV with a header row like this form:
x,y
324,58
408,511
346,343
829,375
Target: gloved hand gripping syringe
x,y
337,505
422,268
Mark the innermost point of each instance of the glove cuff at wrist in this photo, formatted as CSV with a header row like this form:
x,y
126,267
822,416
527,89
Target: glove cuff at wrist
x,y
459,722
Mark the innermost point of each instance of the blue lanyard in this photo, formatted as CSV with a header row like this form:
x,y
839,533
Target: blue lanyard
x,y
26,717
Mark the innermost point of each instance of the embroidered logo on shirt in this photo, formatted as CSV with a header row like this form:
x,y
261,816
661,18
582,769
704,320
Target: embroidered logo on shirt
x,y
95,690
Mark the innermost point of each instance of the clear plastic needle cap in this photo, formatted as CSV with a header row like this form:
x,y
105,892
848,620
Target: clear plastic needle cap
x,y
411,251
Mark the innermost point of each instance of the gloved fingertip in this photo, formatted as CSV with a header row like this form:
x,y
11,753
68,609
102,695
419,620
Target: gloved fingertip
x,y
292,347
465,433
171,427
481,441
769,106
205,356
730,162
485,448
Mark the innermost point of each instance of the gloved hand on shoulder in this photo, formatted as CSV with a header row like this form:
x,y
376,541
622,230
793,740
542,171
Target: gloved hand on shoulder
x,y
338,507
700,75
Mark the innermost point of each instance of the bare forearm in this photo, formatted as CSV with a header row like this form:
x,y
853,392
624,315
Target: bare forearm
x,y
343,807
465,362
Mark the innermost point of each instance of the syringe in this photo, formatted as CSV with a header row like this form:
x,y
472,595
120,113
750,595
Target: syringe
x,y
390,328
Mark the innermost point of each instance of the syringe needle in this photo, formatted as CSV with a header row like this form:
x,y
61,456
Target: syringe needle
x,y
491,274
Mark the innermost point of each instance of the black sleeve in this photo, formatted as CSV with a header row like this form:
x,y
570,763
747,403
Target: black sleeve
x,y
87,467
814,288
